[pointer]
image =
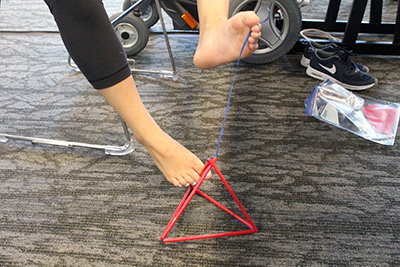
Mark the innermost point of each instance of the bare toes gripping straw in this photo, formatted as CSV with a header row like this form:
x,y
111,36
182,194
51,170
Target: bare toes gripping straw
x,y
195,189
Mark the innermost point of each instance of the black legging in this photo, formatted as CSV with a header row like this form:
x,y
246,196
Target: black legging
x,y
91,41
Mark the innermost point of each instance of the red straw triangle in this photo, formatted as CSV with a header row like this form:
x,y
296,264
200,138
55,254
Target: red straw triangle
x,y
188,197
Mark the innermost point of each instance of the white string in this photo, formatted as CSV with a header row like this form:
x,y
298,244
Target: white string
x,y
314,34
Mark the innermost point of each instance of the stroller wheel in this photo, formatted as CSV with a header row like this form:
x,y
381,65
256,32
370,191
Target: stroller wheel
x,y
148,14
132,33
279,34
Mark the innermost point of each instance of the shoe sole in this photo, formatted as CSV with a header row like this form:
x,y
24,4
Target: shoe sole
x,y
304,62
323,77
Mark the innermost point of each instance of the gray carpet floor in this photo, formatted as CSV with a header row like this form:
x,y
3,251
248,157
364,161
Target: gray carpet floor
x,y
319,195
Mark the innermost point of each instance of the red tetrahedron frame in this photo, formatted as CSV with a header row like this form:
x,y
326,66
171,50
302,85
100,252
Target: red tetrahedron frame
x,y
192,190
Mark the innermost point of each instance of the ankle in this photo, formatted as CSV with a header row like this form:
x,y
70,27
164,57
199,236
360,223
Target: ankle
x,y
152,139
211,22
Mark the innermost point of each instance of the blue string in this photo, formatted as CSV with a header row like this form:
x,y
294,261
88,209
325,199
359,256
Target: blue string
x,y
233,83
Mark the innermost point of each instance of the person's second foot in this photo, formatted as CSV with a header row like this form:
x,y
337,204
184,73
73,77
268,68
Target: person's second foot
x,y
222,41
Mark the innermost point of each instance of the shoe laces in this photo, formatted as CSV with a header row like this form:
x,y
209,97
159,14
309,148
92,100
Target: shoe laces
x,y
345,58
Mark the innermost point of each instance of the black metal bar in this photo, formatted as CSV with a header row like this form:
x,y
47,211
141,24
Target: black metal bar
x,y
332,13
376,48
354,23
158,5
375,14
340,26
126,12
363,48
396,37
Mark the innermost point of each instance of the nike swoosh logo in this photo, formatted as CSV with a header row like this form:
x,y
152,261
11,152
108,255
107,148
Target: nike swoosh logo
x,y
331,69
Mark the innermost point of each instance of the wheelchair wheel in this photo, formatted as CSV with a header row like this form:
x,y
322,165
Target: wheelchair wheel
x,y
149,15
279,33
132,32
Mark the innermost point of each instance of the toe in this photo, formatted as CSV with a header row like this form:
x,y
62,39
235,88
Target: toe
x,y
189,179
175,182
256,28
250,19
181,181
253,47
208,175
255,35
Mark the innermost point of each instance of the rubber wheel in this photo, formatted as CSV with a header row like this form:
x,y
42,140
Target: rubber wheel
x,y
279,34
148,15
132,33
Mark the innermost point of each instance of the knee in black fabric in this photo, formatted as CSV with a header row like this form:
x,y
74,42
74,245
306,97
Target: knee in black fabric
x,y
91,41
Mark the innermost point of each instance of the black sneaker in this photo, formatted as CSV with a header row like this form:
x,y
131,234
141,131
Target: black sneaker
x,y
339,68
309,51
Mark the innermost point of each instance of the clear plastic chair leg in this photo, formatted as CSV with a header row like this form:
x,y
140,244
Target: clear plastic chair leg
x,y
109,150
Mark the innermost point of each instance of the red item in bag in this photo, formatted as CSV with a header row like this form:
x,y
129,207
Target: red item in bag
x,y
381,118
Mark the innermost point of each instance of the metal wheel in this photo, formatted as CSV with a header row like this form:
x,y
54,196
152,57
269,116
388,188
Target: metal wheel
x,y
132,32
279,33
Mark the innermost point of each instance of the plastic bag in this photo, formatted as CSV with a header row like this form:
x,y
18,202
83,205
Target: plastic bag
x,y
372,119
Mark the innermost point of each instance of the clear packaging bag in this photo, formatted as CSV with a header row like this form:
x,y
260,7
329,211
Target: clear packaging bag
x,y
372,119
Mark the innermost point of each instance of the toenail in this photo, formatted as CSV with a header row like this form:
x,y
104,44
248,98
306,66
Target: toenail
x,y
187,184
194,183
180,185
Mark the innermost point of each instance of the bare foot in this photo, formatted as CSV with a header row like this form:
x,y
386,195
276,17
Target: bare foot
x,y
222,41
180,166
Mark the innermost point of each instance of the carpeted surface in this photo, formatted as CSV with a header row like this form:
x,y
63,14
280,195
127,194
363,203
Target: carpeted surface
x,y
319,195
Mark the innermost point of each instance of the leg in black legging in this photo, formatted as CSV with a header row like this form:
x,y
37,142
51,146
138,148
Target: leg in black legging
x,y
91,41
95,48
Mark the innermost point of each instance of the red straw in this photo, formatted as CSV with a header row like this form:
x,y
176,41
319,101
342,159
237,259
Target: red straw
x,y
225,209
195,237
188,197
234,196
